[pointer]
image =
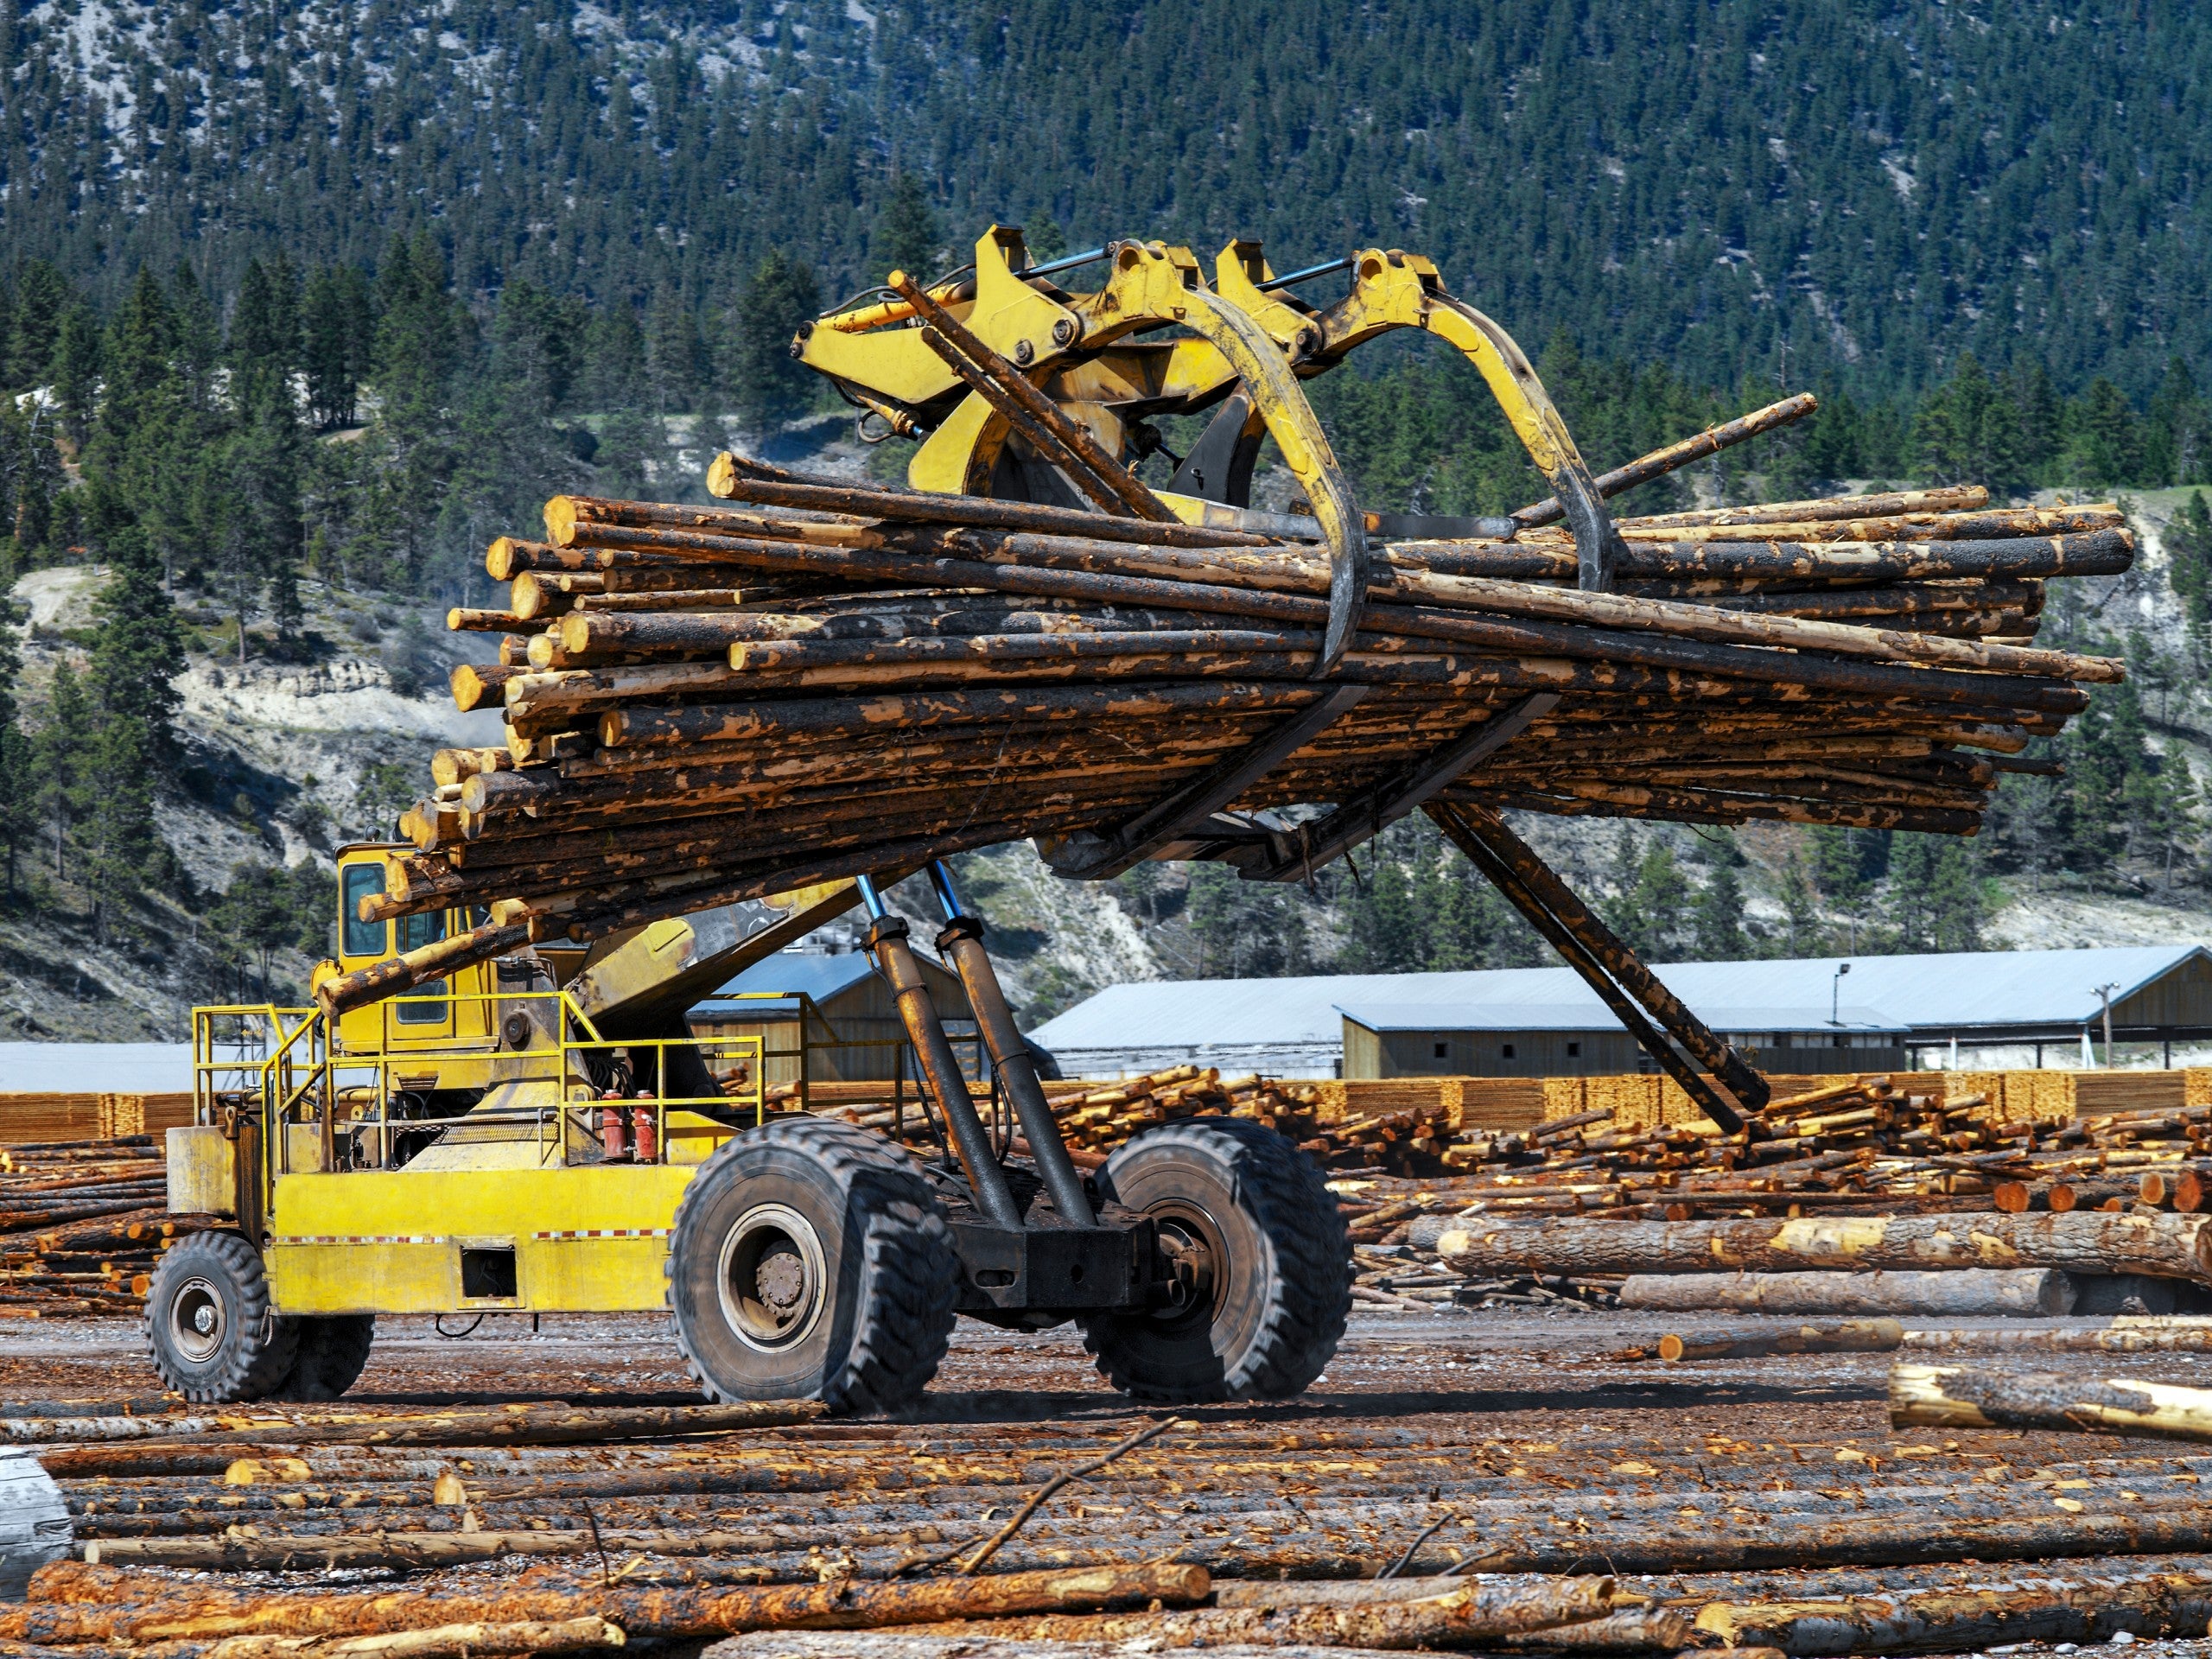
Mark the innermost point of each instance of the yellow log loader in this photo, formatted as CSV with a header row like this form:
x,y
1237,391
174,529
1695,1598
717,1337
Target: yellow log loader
x,y
541,1133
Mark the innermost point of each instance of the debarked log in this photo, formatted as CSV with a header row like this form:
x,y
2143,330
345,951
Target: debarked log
x,y
2160,1244
1958,1396
440,1641
2041,1293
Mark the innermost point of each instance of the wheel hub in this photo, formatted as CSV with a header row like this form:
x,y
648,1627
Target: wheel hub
x,y
197,1319
1197,1266
771,1277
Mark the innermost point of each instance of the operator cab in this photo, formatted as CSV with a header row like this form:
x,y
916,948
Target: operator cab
x,y
449,1014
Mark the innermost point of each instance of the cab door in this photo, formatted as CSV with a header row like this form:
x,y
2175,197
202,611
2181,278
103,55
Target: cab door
x,y
406,1022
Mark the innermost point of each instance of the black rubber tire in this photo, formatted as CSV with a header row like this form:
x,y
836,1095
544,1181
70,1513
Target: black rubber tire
x,y
208,1319
1276,1313
866,1260
333,1351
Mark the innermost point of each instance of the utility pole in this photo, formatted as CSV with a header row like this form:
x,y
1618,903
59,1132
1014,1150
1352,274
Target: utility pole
x,y
2104,996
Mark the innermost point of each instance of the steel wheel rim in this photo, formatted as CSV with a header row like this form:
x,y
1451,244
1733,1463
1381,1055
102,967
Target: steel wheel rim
x,y
770,1278
1190,1220
198,1319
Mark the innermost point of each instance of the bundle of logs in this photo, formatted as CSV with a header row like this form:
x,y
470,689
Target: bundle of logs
x,y
825,678
81,1223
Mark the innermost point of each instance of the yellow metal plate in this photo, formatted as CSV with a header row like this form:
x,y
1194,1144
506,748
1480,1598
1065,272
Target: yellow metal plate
x,y
588,1240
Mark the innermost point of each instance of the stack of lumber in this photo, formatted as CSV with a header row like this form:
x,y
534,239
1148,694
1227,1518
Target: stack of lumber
x,y
33,1118
708,703
81,1225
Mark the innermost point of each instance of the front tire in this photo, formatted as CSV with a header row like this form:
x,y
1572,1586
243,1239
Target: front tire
x,y
1260,1246
809,1260
214,1338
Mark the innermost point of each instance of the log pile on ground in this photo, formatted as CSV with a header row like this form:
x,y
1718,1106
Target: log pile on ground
x,y
81,1225
1410,1532
1097,1116
1867,1149
825,678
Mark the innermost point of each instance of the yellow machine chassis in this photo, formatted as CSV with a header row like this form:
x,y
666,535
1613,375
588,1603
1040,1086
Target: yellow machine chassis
x,y
516,1184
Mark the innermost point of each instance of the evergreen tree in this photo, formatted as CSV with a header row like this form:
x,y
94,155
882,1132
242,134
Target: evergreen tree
x,y
137,650
768,386
1935,895
906,236
76,364
1717,933
675,355
41,298
338,328
62,753
18,763
2187,541
2106,439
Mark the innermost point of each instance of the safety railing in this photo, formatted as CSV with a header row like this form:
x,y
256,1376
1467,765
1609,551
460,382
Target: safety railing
x,y
596,1098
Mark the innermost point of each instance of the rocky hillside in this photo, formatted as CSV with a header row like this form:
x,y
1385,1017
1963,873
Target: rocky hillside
x,y
280,765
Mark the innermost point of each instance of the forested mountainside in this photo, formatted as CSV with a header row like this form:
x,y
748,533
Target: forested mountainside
x,y
300,304
1871,186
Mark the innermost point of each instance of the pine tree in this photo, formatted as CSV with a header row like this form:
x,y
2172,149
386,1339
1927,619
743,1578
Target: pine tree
x,y
42,297
60,756
676,356
77,357
2106,446
768,386
2188,551
906,236
1717,916
338,328
138,651
18,765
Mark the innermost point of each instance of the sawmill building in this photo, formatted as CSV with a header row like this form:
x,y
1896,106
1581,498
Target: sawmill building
x,y
1856,1013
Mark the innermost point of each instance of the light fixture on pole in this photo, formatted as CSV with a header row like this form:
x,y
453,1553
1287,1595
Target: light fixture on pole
x,y
1835,993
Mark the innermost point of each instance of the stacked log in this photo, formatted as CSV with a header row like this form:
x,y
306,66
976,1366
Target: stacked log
x,y
1864,1147
82,1223
823,678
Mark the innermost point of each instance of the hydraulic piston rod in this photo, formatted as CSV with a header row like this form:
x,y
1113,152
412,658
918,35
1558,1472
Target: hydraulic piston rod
x,y
894,959
962,942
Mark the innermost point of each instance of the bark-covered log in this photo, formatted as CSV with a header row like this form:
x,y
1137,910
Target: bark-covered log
x,y
2035,1292
1851,1337
2172,1246
1460,1617
73,1603
1962,1621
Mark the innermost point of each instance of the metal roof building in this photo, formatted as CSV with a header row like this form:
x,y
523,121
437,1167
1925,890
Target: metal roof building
x,y
837,1006
1884,1009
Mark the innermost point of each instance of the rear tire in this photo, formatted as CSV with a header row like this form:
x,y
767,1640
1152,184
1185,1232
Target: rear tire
x,y
809,1260
214,1338
1264,1257
333,1349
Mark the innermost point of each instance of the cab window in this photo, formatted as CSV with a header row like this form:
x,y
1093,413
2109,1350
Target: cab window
x,y
414,932
361,938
